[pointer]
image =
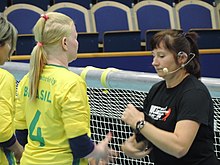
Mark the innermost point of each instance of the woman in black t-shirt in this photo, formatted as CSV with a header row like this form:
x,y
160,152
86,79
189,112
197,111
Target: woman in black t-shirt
x,y
176,124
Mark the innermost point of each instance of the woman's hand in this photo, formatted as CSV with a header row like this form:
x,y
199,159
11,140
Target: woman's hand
x,y
131,116
102,154
135,150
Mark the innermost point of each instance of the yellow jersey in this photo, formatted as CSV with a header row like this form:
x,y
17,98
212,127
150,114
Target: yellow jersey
x,y
61,111
7,109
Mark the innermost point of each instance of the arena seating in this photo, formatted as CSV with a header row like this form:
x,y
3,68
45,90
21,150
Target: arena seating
x,y
78,13
110,16
43,4
150,15
208,38
88,42
25,44
23,17
3,5
169,2
85,3
120,41
129,3
109,20
195,14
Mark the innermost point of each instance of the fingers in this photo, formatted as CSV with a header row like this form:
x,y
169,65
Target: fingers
x,y
108,137
137,154
148,150
107,153
128,113
141,154
130,106
113,153
144,153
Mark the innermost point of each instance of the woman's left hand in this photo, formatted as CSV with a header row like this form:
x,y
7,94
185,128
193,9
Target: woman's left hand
x,y
135,150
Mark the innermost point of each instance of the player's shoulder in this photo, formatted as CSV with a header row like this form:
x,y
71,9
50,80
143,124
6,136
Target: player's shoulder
x,y
194,83
68,74
7,76
68,77
194,87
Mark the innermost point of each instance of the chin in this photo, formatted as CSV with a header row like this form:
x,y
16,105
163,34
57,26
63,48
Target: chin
x,y
162,75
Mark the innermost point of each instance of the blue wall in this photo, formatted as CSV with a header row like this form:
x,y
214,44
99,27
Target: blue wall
x,y
209,63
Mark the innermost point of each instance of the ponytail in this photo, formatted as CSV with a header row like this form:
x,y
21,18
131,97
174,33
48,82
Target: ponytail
x,y
37,63
194,66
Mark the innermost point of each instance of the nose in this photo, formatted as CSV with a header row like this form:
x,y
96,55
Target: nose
x,y
154,62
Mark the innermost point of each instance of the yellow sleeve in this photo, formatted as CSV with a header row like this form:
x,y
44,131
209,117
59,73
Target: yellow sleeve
x,y
75,110
20,121
7,101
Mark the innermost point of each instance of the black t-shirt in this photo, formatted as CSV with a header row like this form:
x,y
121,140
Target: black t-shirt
x,y
190,100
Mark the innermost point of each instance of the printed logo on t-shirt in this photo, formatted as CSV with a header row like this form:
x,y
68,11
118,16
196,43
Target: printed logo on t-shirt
x,y
159,113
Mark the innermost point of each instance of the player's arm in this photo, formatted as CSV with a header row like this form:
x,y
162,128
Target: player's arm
x,y
22,136
175,143
20,119
76,114
83,146
13,145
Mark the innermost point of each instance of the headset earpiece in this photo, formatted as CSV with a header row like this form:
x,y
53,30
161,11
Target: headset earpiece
x,y
181,53
166,71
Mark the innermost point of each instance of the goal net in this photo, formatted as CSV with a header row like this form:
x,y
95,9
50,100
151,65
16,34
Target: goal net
x,y
109,92
106,109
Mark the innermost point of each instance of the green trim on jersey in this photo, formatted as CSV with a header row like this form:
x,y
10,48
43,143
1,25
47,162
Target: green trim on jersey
x,y
57,66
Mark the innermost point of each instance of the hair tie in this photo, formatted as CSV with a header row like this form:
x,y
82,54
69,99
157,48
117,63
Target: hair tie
x,y
40,44
45,16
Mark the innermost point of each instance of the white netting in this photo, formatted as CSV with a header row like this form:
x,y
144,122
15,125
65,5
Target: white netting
x,y
106,108
216,102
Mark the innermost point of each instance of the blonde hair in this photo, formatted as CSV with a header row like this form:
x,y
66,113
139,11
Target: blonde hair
x,y
8,32
48,31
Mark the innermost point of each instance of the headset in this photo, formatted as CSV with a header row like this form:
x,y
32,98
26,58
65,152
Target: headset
x,y
181,53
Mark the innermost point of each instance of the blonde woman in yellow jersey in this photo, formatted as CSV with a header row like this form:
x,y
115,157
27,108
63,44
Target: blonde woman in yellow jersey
x,y
52,101
9,146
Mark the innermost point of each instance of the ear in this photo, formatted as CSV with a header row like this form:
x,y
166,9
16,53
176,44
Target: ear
x,y
182,57
64,43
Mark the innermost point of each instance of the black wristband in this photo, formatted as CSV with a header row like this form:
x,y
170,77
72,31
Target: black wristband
x,y
139,125
9,142
139,137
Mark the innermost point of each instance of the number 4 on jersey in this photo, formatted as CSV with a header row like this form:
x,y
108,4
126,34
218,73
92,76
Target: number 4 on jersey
x,y
32,127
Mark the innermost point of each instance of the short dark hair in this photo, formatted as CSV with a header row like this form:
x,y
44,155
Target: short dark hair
x,y
176,41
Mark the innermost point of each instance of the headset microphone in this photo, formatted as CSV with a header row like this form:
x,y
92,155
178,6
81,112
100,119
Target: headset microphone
x,y
166,71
